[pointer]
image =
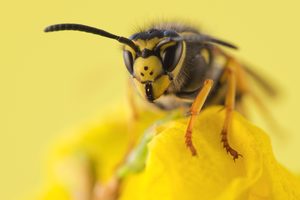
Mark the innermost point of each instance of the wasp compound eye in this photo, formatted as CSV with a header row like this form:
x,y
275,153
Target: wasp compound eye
x,y
171,56
128,60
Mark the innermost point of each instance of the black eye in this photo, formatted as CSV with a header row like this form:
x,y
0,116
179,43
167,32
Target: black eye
x,y
171,56
128,59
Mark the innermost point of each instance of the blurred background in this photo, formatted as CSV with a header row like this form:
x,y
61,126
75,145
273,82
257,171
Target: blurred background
x,y
53,83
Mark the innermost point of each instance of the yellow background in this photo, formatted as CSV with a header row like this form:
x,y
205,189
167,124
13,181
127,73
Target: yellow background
x,y
50,83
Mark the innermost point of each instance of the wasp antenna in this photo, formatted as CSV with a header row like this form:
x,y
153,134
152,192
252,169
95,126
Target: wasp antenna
x,y
222,42
205,38
89,29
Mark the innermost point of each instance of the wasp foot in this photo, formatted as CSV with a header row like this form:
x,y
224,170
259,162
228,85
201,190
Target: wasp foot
x,y
235,155
189,142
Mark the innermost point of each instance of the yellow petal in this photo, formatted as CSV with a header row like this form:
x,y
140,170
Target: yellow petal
x,y
91,153
173,173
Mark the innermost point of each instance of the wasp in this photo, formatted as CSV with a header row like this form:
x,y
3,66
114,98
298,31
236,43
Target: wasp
x,y
175,65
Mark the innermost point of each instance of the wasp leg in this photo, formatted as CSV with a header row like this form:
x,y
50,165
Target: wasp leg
x,y
229,107
194,110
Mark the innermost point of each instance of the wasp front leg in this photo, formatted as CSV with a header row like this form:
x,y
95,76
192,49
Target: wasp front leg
x,y
230,77
194,111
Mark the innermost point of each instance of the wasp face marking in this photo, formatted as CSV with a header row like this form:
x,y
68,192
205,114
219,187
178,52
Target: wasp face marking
x,y
147,69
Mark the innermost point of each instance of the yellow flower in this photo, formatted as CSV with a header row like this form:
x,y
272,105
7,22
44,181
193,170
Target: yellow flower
x,y
172,173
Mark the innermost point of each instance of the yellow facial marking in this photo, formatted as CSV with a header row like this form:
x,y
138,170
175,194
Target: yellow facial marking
x,y
160,86
147,69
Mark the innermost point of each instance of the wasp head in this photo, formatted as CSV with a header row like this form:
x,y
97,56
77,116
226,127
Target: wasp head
x,y
156,62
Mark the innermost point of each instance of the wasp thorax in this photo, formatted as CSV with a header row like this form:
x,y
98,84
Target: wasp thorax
x,y
147,69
